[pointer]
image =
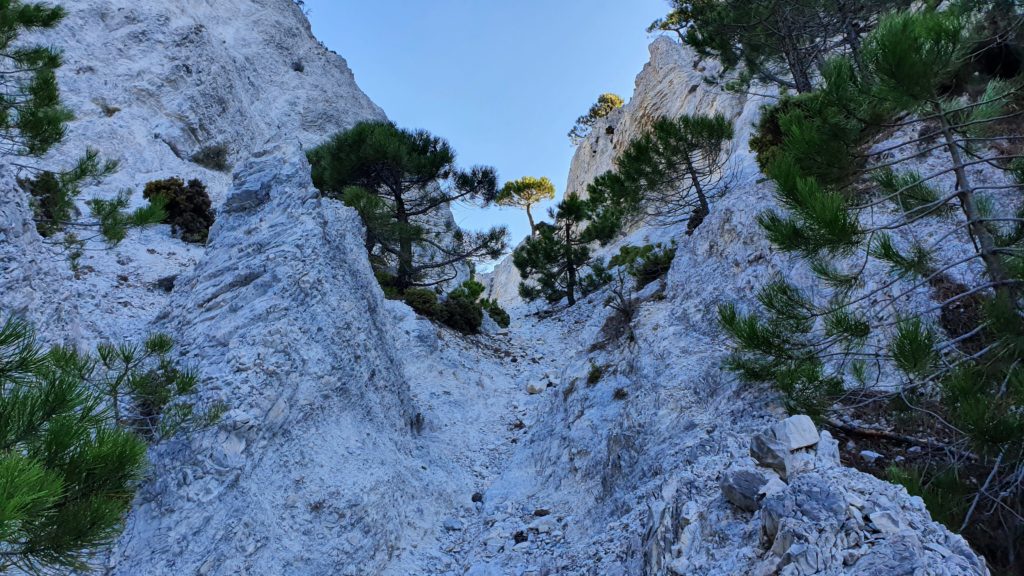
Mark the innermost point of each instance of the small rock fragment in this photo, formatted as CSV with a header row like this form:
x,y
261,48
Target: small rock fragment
x,y
453,525
796,432
885,521
869,456
742,488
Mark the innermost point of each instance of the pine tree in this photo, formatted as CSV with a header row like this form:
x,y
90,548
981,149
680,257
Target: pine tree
x,y
524,193
399,181
67,472
557,263
824,349
671,173
783,42
605,105
32,117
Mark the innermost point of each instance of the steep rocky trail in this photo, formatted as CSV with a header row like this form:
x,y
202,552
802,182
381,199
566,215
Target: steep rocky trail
x,y
477,413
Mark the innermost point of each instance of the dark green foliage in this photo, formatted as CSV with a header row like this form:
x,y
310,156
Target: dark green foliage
x,y
605,105
214,157
462,314
944,494
845,215
461,310
595,374
778,41
670,174
114,218
51,204
422,300
32,117
645,263
908,190
779,348
188,207
471,290
67,472
819,132
598,277
398,180
557,258
147,390
53,200
496,312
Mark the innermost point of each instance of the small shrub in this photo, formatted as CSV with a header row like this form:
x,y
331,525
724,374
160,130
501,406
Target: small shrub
x,y
768,135
470,289
606,103
598,278
188,207
620,394
462,314
645,263
496,312
51,204
148,391
595,374
212,157
298,66
422,300
388,283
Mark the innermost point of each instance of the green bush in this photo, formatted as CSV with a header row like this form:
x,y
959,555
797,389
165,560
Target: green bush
x,y
496,312
462,314
50,204
188,207
462,310
645,263
147,390
605,105
422,300
768,135
212,157
470,289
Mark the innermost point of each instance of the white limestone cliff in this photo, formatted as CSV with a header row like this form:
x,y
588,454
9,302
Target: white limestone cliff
x,y
364,440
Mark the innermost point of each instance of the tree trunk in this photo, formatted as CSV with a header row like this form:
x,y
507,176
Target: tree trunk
x,y
984,240
791,51
850,31
703,208
405,270
570,269
529,215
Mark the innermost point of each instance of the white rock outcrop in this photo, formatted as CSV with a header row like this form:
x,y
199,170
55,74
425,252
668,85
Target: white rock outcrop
x,y
361,439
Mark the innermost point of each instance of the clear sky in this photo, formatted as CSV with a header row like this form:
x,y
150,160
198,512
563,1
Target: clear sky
x,y
503,81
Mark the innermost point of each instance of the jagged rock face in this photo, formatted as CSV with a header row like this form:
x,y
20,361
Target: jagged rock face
x,y
284,320
280,313
671,84
193,74
151,84
27,273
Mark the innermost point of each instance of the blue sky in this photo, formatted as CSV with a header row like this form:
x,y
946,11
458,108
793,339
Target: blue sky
x,y
503,81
